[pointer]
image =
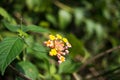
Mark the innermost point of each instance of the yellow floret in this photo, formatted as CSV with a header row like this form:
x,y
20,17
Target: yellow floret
x,y
65,40
51,37
58,36
53,52
68,44
62,59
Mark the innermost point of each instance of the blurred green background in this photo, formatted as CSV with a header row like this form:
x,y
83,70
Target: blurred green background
x,y
91,26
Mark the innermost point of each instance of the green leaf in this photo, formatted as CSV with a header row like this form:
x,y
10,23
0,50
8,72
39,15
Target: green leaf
x,y
10,27
6,16
38,5
9,49
30,3
106,13
44,24
15,28
57,77
77,45
51,19
35,28
79,15
3,13
39,48
40,55
100,32
64,18
38,51
52,69
28,69
90,26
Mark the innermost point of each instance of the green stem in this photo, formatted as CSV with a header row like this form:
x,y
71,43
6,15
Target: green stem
x,y
21,19
24,55
1,38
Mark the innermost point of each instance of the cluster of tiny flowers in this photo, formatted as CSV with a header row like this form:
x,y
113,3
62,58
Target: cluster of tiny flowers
x,y
59,46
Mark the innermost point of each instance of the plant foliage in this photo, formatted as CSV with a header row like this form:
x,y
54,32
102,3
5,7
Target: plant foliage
x,y
91,26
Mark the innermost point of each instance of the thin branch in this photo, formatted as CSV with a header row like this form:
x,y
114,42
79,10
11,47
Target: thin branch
x,y
19,73
96,73
106,73
98,56
76,76
18,16
62,6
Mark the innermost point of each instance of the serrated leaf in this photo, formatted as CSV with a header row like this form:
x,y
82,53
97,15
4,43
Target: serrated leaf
x,y
64,18
39,48
28,69
9,49
15,28
40,55
10,27
39,51
35,28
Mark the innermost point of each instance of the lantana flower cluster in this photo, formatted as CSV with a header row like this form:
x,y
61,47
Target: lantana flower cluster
x,y
58,46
